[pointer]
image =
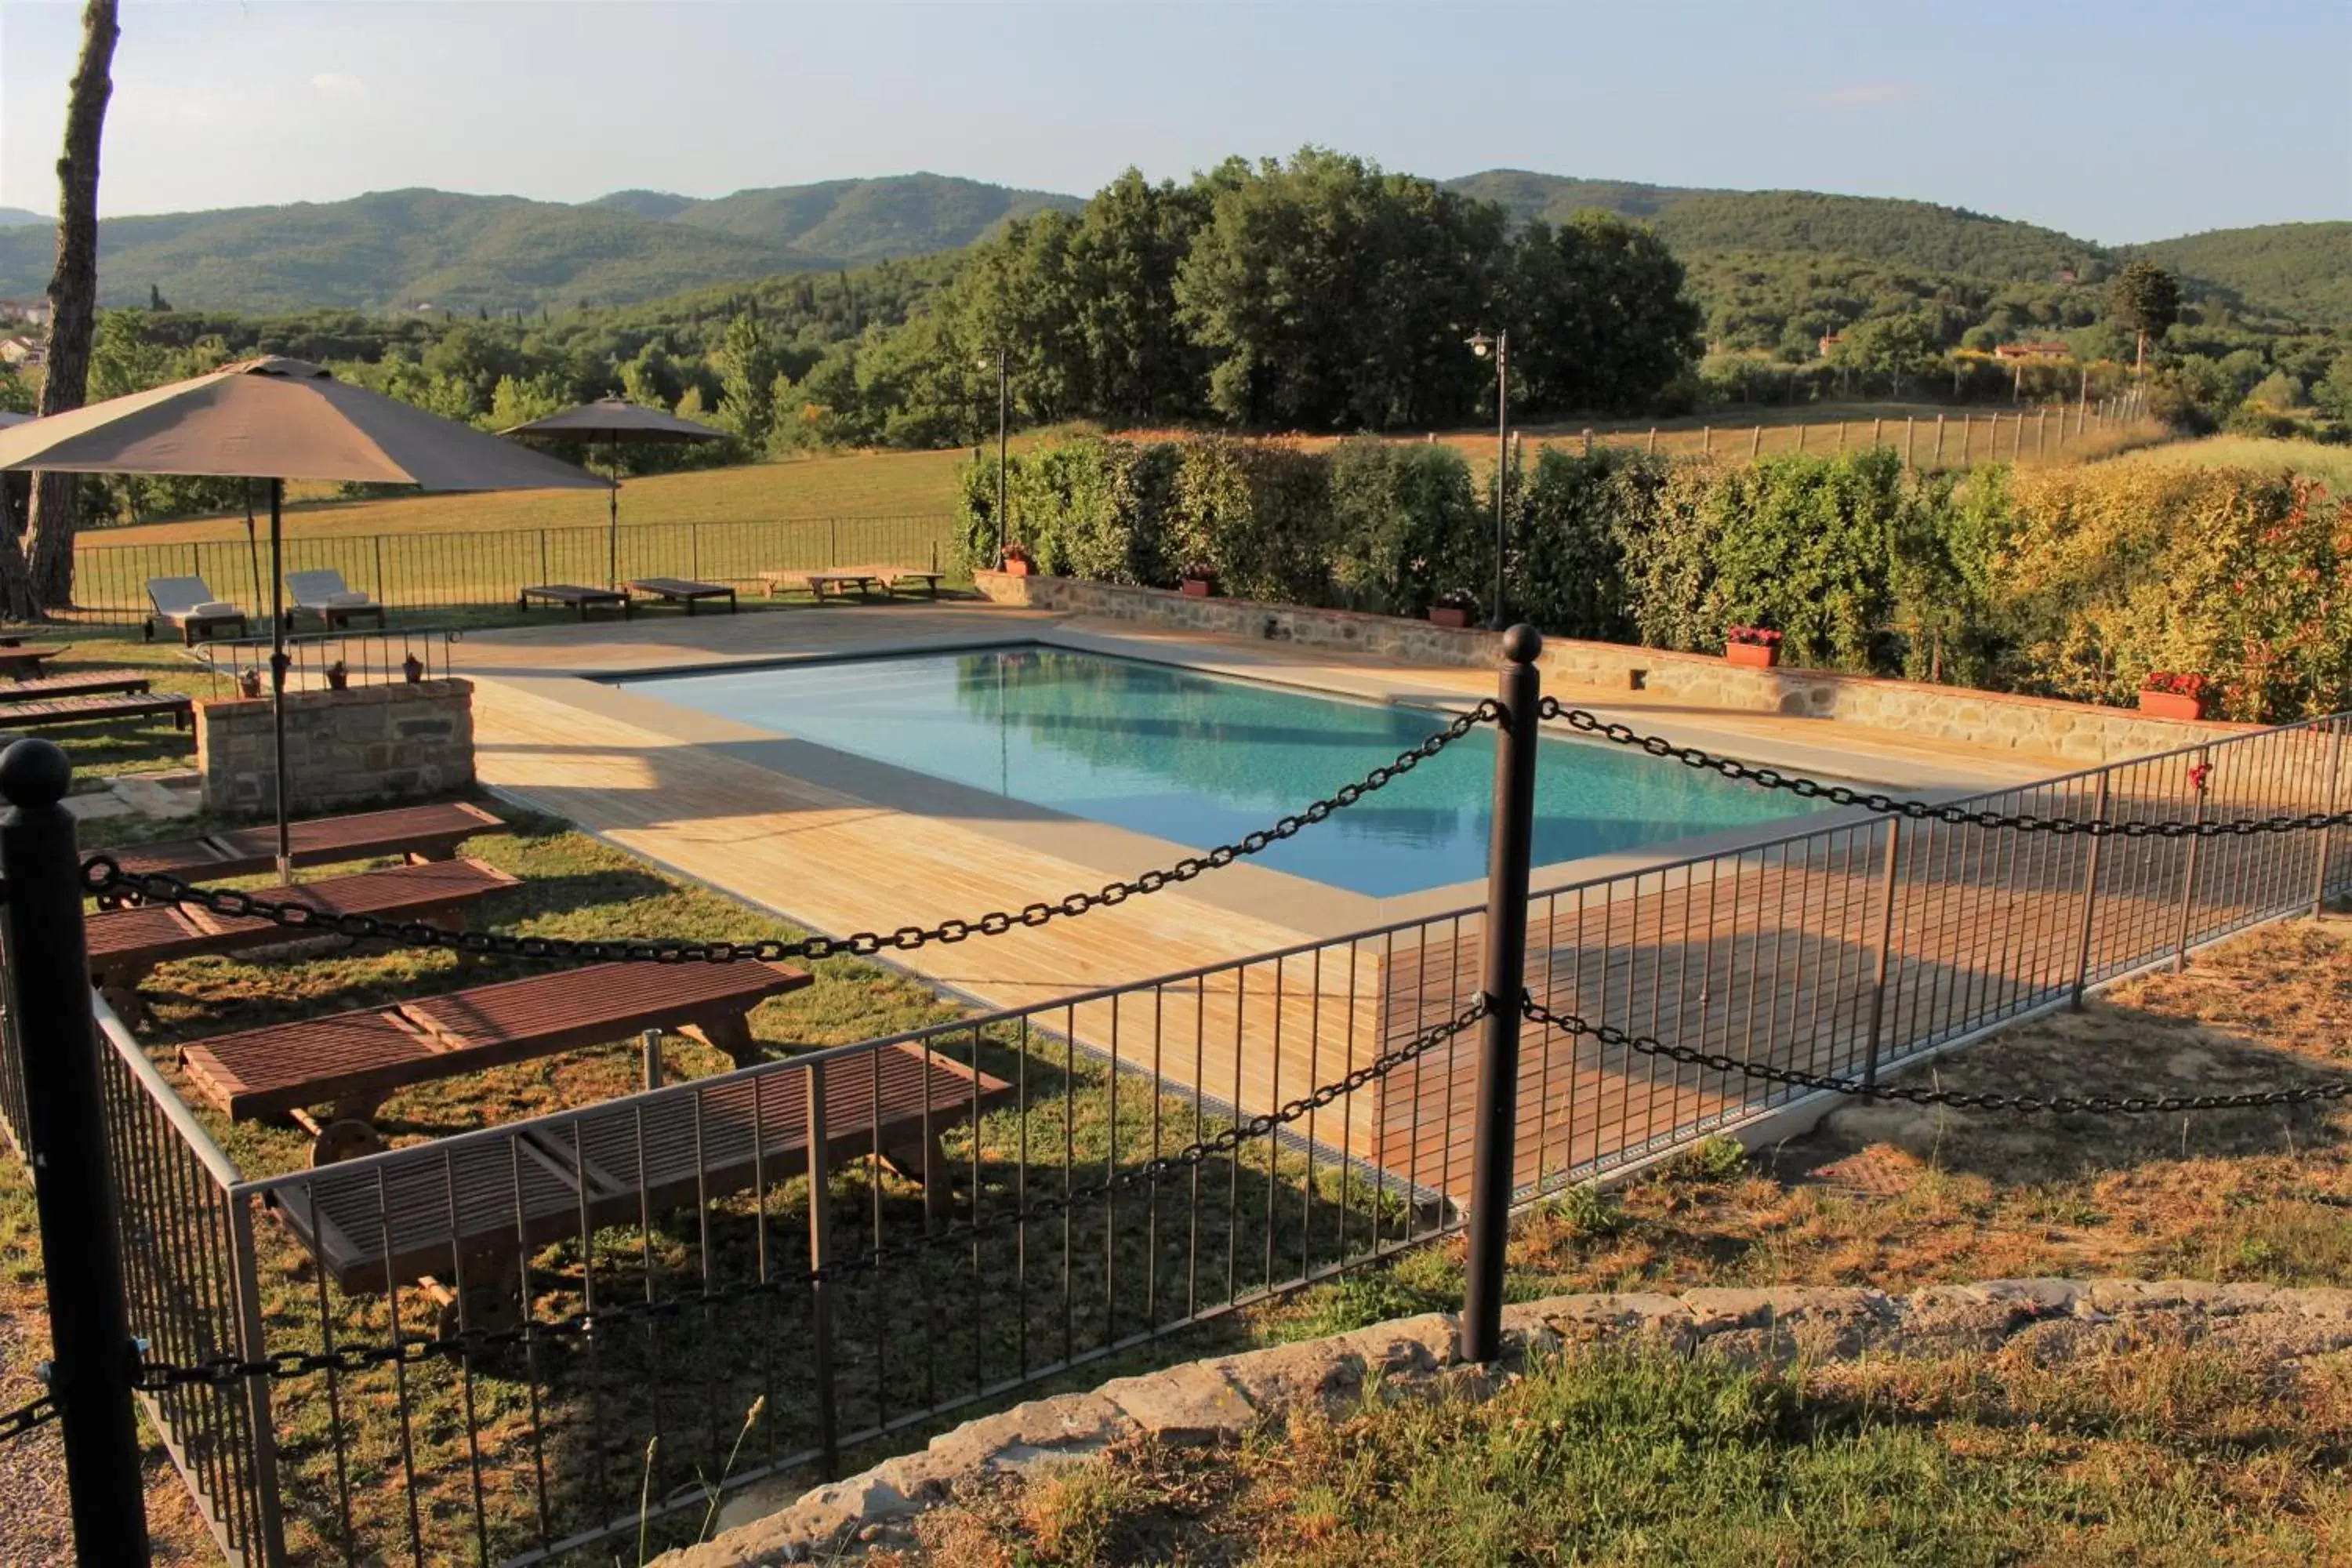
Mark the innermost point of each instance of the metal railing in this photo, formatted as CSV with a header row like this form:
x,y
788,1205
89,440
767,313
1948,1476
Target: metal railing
x,y
804,1241
317,660
454,569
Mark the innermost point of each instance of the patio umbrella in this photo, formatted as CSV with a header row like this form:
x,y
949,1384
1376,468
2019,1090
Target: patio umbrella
x,y
616,422
280,419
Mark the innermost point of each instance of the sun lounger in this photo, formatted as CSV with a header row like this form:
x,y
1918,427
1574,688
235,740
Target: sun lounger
x,y
125,945
460,1216
579,598
324,594
817,584
79,683
682,590
20,662
419,832
185,602
353,1060
19,716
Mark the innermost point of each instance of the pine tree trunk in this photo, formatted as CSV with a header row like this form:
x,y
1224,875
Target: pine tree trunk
x,y
45,581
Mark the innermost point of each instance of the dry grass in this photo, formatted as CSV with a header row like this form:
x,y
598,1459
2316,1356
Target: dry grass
x,y
2331,466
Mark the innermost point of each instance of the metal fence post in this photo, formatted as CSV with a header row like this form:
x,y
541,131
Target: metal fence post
x,y
2189,872
649,1045
1886,950
2090,899
2319,871
828,1437
254,1342
1509,850
73,1180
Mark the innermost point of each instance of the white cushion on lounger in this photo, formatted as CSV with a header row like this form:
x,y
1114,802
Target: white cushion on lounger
x,y
347,601
211,610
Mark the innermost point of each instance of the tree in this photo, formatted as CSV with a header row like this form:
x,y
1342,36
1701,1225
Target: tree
x,y
1598,317
2145,299
746,363
30,587
155,300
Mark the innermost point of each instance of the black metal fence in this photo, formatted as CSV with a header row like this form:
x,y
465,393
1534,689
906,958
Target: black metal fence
x,y
454,569
752,1274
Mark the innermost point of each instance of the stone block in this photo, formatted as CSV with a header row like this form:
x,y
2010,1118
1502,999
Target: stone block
x,y
1192,1404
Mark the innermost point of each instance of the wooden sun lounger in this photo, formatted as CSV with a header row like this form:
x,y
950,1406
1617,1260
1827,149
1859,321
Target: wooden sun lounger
x,y
891,577
574,595
682,590
91,710
125,945
79,683
353,1060
512,1197
419,831
817,583
20,661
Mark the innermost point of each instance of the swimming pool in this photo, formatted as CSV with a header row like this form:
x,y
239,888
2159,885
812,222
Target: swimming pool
x,y
1200,760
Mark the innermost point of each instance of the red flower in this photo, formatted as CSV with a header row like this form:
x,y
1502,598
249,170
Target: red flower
x,y
2178,683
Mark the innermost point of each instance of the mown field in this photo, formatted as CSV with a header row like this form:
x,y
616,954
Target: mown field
x,y
2331,466
871,484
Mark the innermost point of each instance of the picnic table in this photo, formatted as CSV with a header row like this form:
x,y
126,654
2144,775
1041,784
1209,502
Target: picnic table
x,y
682,590
580,598
817,583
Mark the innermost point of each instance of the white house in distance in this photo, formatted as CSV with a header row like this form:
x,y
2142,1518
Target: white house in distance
x,y
33,312
24,352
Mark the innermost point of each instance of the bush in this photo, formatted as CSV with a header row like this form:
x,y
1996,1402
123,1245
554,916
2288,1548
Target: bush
x,y
1258,512
1405,524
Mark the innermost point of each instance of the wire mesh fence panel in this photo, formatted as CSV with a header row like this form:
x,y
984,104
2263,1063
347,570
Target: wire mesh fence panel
x,y
454,569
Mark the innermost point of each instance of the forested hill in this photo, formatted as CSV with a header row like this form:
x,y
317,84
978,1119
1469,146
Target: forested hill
x,y
401,250
2301,269
1915,235
10,217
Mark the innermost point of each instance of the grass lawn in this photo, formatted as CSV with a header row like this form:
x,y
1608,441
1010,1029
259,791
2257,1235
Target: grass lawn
x,y
2331,466
2170,1455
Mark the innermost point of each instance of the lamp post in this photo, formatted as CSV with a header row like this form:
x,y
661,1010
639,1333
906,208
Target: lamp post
x,y
1500,346
1003,400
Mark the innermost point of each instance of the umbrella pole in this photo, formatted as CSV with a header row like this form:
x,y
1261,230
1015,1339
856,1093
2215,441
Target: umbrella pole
x,y
613,518
277,672
252,550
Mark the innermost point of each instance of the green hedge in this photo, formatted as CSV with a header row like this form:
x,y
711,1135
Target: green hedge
x,y
2073,582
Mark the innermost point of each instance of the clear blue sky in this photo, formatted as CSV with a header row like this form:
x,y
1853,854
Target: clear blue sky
x,y
2117,119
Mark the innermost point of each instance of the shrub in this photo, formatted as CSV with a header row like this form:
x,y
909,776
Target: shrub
x,y
1260,512
1403,519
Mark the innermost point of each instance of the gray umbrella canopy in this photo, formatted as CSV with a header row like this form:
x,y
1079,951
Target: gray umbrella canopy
x,y
280,419
8,419
616,422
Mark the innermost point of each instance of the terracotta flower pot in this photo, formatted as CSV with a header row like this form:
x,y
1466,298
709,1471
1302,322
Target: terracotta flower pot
x,y
1198,587
1020,568
1449,615
2171,705
1752,655
338,678
248,684
413,667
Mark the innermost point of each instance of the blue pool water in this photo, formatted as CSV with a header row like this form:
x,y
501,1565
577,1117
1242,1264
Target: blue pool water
x,y
1200,760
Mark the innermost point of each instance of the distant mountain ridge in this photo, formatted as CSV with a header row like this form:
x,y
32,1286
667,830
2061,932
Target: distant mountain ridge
x,y
391,251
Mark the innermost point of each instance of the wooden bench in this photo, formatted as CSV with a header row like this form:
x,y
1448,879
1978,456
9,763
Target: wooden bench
x,y
353,1061
580,599
419,832
463,1214
21,661
818,583
93,710
682,590
891,577
125,945
79,683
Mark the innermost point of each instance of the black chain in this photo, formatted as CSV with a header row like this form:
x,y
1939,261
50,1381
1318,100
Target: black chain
x,y
25,1418
2024,1104
1589,723
101,874
223,1370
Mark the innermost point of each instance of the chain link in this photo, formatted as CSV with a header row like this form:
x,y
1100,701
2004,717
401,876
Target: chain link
x,y
1590,724
223,1370
25,1418
102,874
2023,1104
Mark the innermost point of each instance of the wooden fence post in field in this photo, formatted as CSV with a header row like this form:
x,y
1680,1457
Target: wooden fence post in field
x,y
1755,443
1588,441
2041,428
1800,438
1940,440
1875,426
1651,446
1706,440
1910,432
1967,437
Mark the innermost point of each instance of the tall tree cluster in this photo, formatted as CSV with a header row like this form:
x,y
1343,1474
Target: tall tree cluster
x,y
1318,292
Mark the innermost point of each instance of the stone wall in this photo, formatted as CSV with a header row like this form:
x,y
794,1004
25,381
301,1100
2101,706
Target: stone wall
x,y
358,747
2078,732
1218,1400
